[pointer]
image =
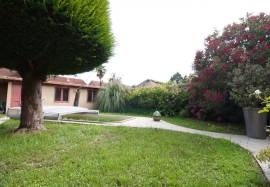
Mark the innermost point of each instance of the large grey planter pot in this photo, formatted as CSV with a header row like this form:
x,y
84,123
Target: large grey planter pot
x,y
255,123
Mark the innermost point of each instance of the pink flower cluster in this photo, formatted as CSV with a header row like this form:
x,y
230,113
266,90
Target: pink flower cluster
x,y
245,42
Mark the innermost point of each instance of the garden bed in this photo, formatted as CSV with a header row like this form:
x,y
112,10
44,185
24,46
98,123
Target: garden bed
x,y
75,155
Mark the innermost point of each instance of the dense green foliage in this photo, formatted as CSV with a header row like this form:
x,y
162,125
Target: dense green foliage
x,y
247,78
112,98
54,36
169,99
266,103
74,155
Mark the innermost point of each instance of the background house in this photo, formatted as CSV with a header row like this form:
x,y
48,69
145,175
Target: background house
x,y
149,83
56,91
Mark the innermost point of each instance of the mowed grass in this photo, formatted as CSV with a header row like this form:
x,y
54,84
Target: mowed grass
x,y
196,124
96,117
75,155
2,115
206,125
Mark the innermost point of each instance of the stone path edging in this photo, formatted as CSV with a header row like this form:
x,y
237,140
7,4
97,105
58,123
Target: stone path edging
x,y
252,145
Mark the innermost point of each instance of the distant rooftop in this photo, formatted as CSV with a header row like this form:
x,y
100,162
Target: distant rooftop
x,y
6,74
149,83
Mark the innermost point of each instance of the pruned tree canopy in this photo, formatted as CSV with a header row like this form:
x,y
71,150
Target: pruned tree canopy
x,y
54,36
50,37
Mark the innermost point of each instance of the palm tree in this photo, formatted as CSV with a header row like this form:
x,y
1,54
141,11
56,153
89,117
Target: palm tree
x,y
101,70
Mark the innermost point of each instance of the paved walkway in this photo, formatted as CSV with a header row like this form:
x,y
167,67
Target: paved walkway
x,y
4,119
253,145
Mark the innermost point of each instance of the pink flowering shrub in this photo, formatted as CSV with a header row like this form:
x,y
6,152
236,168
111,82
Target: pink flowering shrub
x,y
245,42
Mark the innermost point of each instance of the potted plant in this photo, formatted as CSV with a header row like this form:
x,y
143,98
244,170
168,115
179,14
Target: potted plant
x,y
156,116
247,79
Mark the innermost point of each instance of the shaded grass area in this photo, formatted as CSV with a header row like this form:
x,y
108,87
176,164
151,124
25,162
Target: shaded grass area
x,y
96,118
206,125
74,155
2,115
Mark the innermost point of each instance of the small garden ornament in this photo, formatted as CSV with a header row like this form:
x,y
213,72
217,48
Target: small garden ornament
x,y
156,116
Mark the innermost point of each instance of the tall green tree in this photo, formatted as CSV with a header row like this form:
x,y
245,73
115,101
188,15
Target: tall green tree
x,y
101,70
177,77
51,37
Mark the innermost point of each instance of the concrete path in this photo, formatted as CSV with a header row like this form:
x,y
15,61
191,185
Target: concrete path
x,y
3,120
252,145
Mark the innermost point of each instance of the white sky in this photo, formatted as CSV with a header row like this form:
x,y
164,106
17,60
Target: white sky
x,y
157,38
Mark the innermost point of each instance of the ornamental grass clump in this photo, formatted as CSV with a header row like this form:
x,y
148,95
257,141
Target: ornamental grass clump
x,y
112,98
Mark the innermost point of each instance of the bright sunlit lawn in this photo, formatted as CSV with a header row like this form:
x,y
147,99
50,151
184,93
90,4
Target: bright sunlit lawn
x,y
96,118
75,155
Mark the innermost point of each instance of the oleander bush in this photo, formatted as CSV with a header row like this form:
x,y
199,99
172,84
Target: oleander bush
x,y
246,42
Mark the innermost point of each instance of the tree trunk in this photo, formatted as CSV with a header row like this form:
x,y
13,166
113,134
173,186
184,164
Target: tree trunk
x,y
31,108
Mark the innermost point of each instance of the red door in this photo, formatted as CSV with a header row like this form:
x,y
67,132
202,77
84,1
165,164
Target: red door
x,y
16,95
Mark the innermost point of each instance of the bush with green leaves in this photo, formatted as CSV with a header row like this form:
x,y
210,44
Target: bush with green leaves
x,y
266,102
246,79
112,98
169,99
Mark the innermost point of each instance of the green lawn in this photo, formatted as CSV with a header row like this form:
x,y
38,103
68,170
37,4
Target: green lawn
x,y
96,118
2,115
74,155
206,125
197,124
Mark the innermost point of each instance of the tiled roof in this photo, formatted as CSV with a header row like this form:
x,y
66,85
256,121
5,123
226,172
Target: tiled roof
x,y
57,80
9,75
149,83
6,74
